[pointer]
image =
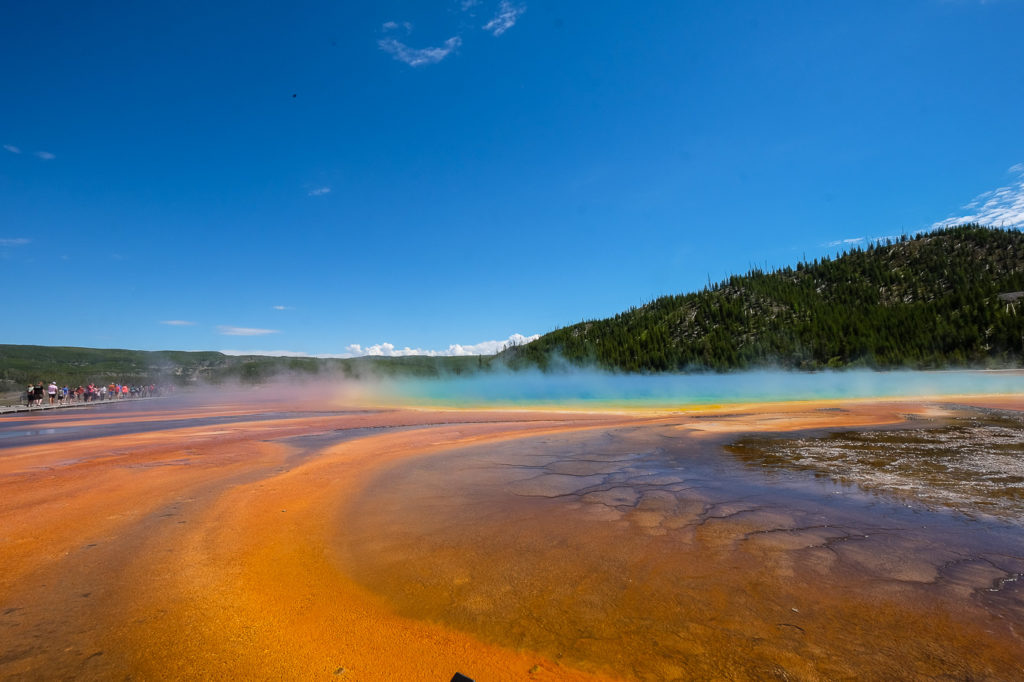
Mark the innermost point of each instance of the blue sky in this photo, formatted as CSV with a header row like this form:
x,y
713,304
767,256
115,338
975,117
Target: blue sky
x,y
342,178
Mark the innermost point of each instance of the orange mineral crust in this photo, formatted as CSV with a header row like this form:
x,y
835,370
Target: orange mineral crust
x,y
269,542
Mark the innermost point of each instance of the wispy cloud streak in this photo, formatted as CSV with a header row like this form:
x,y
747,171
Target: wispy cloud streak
x,y
46,156
12,149
177,323
415,56
17,241
864,240
1001,207
845,242
319,191
277,353
507,15
506,18
244,331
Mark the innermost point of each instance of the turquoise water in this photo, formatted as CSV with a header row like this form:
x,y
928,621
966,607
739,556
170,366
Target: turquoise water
x,y
588,388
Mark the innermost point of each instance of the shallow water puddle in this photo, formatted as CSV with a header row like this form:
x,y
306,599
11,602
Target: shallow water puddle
x,y
649,553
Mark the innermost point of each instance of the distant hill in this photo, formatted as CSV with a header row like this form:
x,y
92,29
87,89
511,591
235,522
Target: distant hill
x,y
21,365
925,302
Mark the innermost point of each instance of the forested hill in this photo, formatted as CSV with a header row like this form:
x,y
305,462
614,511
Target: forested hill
x,y
924,302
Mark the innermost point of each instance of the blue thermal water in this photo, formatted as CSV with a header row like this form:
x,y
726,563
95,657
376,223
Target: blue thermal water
x,y
591,388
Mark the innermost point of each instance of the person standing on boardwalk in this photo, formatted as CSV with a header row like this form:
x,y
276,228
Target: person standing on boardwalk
x,y
51,391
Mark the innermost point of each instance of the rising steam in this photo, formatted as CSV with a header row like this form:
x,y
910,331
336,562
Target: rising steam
x,y
581,389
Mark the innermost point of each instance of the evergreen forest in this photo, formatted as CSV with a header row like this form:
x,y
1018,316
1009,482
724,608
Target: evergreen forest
x,y
939,299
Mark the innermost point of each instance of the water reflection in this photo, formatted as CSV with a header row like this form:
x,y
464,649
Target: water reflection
x,y
649,553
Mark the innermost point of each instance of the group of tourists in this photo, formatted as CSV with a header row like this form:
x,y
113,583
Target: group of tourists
x,y
53,394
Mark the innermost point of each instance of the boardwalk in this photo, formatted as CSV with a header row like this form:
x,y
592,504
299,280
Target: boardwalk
x,y
10,409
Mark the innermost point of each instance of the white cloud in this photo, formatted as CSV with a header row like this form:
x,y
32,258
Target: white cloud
x,y
17,241
845,242
244,331
392,25
319,191
12,149
1000,207
281,307
418,57
455,349
389,350
506,17
868,240
177,323
46,156
384,349
491,347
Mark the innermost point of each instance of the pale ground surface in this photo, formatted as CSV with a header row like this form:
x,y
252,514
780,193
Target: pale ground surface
x,y
270,543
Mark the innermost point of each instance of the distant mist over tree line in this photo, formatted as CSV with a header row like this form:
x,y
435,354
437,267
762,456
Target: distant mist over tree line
x,y
940,299
21,365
